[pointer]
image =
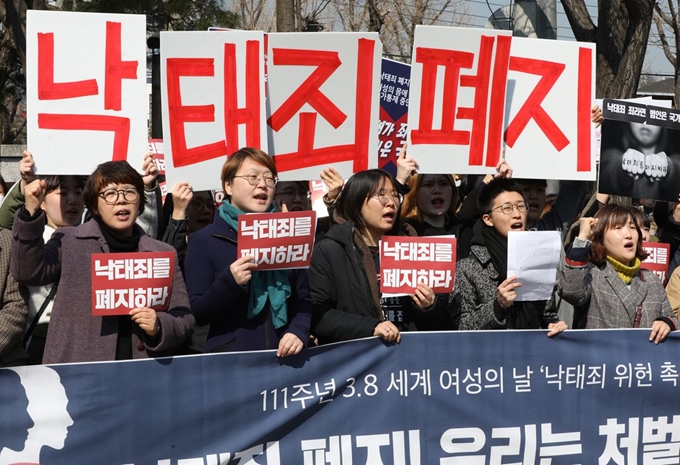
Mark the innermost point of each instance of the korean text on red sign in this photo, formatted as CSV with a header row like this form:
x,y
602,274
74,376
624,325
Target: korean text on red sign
x,y
658,259
406,262
277,240
85,89
124,281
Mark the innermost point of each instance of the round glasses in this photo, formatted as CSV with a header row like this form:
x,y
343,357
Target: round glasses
x,y
254,179
385,197
507,208
111,196
292,193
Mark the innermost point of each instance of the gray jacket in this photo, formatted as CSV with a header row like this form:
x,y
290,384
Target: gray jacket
x,y
611,303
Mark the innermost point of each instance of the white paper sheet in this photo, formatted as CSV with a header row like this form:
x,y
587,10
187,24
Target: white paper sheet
x,y
533,257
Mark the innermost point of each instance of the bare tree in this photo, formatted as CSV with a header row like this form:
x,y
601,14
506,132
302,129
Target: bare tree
x,y
666,22
621,36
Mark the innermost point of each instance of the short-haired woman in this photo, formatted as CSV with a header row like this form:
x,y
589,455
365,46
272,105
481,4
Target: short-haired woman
x,y
602,272
113,194
246,309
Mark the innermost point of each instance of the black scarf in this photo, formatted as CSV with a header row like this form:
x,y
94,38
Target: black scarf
x,y
115,241
521,315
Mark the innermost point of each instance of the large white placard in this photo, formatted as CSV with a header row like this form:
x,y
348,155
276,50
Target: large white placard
x,y
323,102
213,102
85,90
457,94
551,90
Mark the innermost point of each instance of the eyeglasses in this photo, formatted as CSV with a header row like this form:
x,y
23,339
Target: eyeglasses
x,y
203,206
292,193
254,179
111,196
507,208
385,197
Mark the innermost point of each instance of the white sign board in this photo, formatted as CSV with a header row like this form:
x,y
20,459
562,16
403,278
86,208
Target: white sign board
x,y
457,94
213,102
551,90
323,102
85,90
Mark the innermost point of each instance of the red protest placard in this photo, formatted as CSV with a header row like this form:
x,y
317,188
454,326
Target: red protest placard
x,y
156,147
278,241
658,260
406,262
125,281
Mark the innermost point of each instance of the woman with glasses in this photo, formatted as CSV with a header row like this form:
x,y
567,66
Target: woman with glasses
x,y
113,195
344,272
483,295
246,309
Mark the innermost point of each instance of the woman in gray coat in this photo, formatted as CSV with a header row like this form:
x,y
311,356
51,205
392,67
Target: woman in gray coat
x,y
602,272
112,194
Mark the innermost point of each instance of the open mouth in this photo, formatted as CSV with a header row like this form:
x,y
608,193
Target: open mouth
x,y
437,202
629,245
123,214
262,197
389,217
517,226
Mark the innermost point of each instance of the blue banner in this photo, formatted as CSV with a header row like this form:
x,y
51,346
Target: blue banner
x,y
472,398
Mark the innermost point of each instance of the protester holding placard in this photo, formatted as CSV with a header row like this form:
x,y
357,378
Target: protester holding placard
x,y
246,309
431,204
345,267
483,295
113,194
602,271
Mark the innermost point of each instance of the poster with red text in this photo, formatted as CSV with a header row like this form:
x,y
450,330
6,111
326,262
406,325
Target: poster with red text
x,y
323,102
406,262
124,281
456,98
85,90
551,90
213,101
394,88
658,259
156,147
277,241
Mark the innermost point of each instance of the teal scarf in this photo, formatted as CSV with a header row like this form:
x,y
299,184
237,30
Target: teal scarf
x,y
271,284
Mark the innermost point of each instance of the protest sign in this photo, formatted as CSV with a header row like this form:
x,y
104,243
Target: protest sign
x,y
612,398
394,88
406,262
124,281
85,90
156,147
658,259
457,96
551,90
533,257
640,151
277,241
323,101
318,189
213,101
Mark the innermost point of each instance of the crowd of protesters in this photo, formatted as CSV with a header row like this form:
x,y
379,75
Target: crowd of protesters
x,y
220,302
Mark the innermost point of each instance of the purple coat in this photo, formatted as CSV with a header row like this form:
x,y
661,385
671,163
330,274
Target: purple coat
x,y
75,335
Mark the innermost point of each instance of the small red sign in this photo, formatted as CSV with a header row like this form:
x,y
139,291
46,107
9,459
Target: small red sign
x,y
406,262
124,281
277,240
658,259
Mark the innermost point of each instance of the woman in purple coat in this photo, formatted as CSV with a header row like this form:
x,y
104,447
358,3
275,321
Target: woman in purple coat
x,y
113,195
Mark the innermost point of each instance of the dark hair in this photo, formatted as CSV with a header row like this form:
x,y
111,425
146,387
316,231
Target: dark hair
x,y
360,187
410,209
610,216
54,182
112,172
640,218
236,159
3,184
495,188
532,182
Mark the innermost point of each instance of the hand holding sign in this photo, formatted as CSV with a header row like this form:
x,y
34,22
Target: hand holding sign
x,y
506,294
150,169
242,268
406,166
289,344
26,170
146,318
424,296
181,196
34,193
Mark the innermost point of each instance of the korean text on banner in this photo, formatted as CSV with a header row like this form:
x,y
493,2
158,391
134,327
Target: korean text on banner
x,y
124,281
277,240
457,96
213,101
323,93
551,90
85,90
658,259
156,147
406,262
394,88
